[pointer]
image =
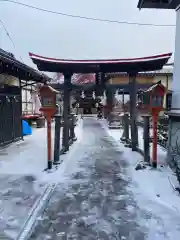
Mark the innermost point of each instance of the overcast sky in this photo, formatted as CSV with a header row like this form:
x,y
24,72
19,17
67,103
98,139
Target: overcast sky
x,y
63,37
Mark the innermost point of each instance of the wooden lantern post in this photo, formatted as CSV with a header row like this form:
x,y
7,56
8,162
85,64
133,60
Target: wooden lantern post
x,y
48,100
154,138
153,101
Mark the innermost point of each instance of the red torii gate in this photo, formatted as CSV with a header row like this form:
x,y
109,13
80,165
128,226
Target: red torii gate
x,y
129,65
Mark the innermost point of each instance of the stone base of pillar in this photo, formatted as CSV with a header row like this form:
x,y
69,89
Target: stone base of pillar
x,y
173,156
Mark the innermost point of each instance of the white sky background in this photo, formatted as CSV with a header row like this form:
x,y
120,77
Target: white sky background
x,y
63,37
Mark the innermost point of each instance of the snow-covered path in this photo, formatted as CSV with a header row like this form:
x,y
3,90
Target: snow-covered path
x,y
93,202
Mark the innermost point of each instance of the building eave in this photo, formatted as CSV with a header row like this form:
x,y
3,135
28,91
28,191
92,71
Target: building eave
x,y
11,66
158,4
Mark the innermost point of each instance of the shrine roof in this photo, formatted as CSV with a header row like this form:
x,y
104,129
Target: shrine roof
x,y
154,86
10,65
129,65
159,4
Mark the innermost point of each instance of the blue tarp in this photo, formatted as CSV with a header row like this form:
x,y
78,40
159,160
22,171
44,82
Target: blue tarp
x,y
26,129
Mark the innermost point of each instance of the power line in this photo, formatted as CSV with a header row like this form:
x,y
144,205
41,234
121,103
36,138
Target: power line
x,y
9,36
88,18
7,33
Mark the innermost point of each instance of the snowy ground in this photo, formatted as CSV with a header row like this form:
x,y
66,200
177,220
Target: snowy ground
x,y
29,156
22,179
99,195
153,191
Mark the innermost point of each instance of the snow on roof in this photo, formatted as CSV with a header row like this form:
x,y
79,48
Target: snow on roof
x,y
154,86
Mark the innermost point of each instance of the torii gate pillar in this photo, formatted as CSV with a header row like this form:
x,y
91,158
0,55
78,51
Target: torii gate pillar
x,y
66,109
109,103
133,93
174,114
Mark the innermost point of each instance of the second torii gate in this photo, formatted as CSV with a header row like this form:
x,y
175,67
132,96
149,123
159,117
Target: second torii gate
x,y
131,66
